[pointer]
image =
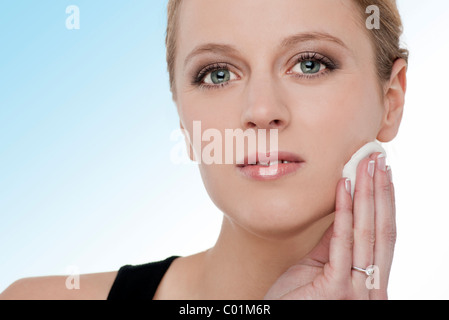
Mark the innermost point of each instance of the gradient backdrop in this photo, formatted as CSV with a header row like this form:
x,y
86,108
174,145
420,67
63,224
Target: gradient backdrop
x,y
87,177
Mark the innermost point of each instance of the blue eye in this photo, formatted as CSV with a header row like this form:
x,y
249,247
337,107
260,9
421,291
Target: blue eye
x,y
215,75
312,64
308,67
219,76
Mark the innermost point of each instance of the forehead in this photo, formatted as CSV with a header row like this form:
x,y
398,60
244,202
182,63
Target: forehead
x,y
265,23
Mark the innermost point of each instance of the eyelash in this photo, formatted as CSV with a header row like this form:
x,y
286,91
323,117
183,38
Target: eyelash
x,y
316,57
305,56
198,79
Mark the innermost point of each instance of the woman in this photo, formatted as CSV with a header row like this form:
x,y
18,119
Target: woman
x,y
329,80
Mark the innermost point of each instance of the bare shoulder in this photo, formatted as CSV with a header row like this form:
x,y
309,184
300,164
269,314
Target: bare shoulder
x,y
94,286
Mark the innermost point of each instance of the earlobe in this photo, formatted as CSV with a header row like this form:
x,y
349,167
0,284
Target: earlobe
x,y
394,100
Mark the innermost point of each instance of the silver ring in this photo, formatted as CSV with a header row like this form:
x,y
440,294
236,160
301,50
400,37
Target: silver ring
x,y
369,271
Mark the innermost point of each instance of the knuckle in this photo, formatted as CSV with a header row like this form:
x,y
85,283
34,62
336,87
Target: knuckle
x,y
343,207
367,236
385,189
364,192
346,238
389,234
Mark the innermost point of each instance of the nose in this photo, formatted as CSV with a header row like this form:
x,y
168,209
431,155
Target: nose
x,y
264,106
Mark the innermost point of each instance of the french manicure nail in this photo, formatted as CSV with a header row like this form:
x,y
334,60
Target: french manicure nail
x,y
390,175
381,162
371,165
348,185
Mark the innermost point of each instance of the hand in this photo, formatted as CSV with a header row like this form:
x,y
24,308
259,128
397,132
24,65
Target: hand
x,y
363,234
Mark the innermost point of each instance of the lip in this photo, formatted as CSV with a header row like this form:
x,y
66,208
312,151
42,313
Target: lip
x,y
273,172
273,156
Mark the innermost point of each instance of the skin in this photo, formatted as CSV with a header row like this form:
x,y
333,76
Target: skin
x,y
296,237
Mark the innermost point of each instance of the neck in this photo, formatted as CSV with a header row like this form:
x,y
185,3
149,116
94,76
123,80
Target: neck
x,y
243,265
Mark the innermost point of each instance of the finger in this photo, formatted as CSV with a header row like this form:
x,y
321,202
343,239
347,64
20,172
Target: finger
x,y
364,231
393,199
385,230
341,242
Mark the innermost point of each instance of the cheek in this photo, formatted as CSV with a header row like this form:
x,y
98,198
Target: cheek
x,y
197,117
212,109
213,114
342,110
332,121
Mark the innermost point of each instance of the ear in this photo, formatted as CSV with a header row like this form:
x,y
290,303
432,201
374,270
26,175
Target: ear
x,y
187,141
394,99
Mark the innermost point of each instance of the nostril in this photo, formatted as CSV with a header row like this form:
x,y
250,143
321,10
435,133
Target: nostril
x,y
276,122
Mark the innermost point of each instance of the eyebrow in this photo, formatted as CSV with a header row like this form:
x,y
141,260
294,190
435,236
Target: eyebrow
x,y
211,47
311,36
285,43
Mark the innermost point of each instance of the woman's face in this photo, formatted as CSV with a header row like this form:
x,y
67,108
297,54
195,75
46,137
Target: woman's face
x,y
305,68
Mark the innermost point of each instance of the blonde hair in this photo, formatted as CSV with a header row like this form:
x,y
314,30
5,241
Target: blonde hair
x,y
386,38
173,9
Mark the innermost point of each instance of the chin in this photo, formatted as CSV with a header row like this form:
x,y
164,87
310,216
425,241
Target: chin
x,y
274,217
278,209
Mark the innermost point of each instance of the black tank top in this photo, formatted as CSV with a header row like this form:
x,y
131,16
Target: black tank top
x,y
139,282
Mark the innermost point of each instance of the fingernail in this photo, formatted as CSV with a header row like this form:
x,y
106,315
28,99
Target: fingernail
x,y
348,185
390,175
381,162
371,165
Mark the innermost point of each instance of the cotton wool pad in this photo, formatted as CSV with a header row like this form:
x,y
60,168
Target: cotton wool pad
x,y
350,168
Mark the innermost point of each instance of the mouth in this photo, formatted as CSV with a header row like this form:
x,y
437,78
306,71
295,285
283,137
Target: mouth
x,y
271,166
270,159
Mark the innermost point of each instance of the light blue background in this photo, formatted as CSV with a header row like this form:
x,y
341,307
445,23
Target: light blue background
x,y
85,122
86,117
